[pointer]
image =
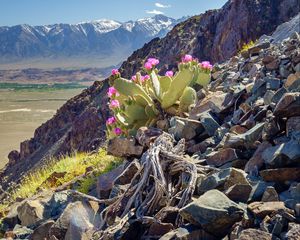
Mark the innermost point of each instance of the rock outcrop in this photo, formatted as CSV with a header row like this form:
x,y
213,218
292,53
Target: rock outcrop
x,y
215,35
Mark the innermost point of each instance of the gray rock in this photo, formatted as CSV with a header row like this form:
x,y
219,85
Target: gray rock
x,y
214,212
222,180
124,147
185,128
246,139
105,181
282,155
209,123
77,218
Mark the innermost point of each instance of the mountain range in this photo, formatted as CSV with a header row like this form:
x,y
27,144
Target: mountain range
x,y
99,43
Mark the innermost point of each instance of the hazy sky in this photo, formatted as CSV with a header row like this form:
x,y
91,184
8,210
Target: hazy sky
x,y
40,12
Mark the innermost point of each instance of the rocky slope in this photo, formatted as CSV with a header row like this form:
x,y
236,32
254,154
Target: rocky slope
x,y
216,35
85,40
231,170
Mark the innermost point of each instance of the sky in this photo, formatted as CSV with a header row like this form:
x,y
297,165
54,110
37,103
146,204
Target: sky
x,y
41,12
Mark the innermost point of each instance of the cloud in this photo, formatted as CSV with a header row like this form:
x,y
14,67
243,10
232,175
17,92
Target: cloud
x,y
154,11
160,5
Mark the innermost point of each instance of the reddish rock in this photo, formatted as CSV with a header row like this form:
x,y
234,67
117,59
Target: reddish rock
x,y
267,59
124,147
237,129
288,105
251,234
291,79
221,157
273,65
256,162
281,174
159,229
262,209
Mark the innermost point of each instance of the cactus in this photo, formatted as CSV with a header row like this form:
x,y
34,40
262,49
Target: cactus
x,y
146,99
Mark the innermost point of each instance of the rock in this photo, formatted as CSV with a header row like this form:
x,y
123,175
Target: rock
x,y
128,173
258,189
272,83
214,212
124,147
52,180
189,232
216,102
19,232
167,215
158,229
273,65
209,123
221,157
292,125
246,140
239,192
11,219
77,218
185,128
249,234
145,136
293,232
268,97
105,181
223,179
270,195
281,174
31,211
256,161
42,231
288,105
291,79
282,155
262,209
13,157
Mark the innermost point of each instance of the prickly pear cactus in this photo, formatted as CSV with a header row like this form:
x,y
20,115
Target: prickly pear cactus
x,y
144,100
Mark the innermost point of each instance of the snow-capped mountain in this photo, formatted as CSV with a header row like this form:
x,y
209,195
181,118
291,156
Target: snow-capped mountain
x,y
106,38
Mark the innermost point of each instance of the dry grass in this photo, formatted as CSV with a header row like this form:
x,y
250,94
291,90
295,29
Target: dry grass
x,y
73,166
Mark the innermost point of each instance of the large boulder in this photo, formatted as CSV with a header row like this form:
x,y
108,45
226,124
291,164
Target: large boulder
x,y
213,211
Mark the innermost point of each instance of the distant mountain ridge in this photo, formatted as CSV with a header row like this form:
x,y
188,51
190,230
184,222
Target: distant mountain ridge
x,y
96,39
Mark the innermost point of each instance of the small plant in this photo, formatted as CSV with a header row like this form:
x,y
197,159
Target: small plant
x,y
145,99
246,46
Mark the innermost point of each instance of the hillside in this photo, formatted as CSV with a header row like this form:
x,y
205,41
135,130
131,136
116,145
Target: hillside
x,y
86,44
80,123
225,165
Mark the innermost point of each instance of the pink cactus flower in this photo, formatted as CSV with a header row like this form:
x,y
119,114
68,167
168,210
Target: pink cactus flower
x,y
133,78
111,121
187,58
112,91
169,74
148,66
118,131
114,104
145,78
153,61
206,65
114,71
